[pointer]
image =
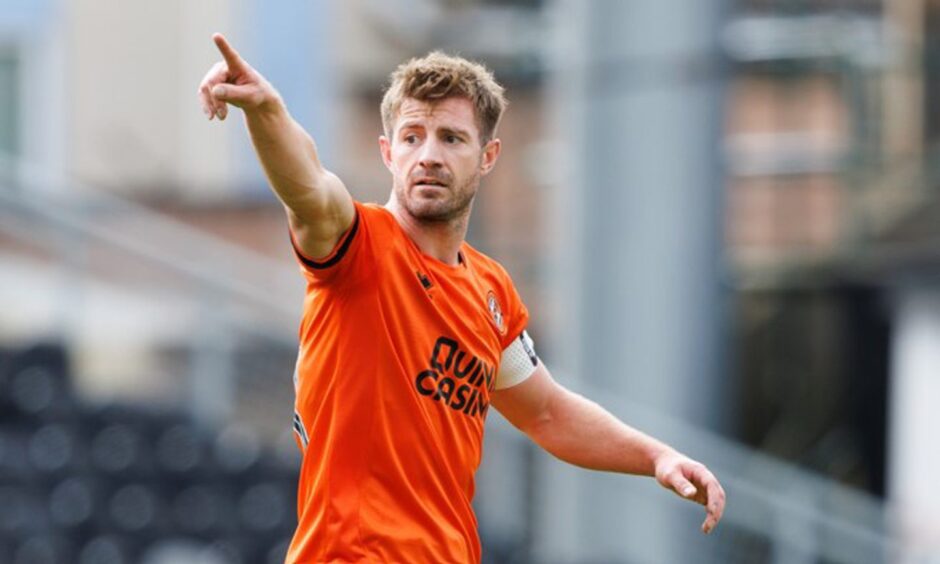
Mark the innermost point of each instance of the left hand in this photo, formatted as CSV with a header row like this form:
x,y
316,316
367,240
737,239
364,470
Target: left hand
x,y
693,481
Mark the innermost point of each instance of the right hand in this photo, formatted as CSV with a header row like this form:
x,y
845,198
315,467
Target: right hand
x,y
233,81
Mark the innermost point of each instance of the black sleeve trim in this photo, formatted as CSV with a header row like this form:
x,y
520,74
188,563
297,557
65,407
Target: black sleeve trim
x,y
337,256
529,349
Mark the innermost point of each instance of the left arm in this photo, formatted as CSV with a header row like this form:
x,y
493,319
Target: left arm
x,y
580,432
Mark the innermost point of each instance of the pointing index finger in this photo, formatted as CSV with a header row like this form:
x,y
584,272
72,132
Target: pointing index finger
x,y
231,56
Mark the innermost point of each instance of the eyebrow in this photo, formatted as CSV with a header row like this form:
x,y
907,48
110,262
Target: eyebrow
x,y
457,132
417,125
410,125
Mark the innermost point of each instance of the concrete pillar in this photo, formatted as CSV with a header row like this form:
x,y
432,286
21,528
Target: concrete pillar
x,y
636,224
914,421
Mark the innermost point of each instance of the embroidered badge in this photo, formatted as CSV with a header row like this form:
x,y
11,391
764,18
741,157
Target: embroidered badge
x,y
495,311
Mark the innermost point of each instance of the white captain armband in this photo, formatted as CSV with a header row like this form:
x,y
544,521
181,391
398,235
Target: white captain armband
x,y
518,362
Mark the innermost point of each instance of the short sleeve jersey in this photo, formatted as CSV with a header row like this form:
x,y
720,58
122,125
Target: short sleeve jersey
x,y
398,355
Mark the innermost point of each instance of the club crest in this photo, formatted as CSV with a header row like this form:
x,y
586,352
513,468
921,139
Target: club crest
x,y
495,311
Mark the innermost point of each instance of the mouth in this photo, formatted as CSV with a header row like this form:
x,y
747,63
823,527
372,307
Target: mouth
x,y
429,181
430,187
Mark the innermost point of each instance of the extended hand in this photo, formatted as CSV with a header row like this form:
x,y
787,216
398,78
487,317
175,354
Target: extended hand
x,y
693,481
233,81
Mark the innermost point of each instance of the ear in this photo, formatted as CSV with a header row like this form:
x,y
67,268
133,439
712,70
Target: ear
x,y
490,154
385,147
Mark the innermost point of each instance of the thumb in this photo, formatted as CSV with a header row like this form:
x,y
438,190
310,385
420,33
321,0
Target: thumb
x,y
682,486
242,96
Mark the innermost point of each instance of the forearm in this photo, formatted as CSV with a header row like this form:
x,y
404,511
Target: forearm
x,y
288,156
318,206
583,433
580,432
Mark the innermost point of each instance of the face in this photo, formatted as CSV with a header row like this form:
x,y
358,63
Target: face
x,y
436,159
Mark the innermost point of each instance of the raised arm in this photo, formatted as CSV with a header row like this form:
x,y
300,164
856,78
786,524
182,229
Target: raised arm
x,y
318,205
583,433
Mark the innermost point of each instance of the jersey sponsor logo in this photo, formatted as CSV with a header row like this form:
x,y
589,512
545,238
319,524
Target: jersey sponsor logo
x,y
457,379
495,311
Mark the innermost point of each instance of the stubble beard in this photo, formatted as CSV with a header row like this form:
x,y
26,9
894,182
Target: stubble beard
x,y
455,205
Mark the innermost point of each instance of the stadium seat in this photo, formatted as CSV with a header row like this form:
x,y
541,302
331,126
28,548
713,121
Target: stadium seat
x,y
44,549
105,549
122,484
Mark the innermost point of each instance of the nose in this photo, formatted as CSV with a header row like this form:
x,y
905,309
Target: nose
x,y
430,155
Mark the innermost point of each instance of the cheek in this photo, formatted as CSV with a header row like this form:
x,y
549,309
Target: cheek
x,y
472,164
400,158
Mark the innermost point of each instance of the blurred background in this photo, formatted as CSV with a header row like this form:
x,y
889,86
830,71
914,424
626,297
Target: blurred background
x,y
722,214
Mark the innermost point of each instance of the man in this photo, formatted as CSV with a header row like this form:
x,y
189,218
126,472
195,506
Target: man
x,y
409,334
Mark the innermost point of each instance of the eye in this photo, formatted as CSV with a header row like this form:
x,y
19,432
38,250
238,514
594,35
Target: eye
x,y
451,139
411,139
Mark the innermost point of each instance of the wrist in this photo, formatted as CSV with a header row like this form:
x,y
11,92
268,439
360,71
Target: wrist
x,y
659,453
267,119
273,104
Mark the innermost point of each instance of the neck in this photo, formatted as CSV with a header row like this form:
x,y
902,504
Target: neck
x,y
438,239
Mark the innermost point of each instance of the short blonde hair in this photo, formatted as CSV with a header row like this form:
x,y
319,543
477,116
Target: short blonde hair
x,y
437,76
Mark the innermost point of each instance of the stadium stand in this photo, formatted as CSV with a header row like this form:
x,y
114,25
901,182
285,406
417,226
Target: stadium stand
x,y
122,484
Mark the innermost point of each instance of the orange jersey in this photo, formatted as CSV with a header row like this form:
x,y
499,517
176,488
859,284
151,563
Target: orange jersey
x,y
398,355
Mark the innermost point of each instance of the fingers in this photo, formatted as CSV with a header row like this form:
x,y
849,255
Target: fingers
x,y
713,500
241,95
234,61
214,105
216,91
222,112
715,507
231,81
713,513
695,482
218,74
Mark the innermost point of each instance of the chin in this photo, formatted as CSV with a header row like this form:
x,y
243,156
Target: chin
x,y
434,210
437,207
431,212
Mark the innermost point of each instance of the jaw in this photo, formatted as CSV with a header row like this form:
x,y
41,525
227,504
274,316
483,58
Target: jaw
x,y
431,204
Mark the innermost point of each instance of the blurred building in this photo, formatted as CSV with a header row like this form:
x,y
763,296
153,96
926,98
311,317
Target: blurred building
x,y
719,213
806,143
830,185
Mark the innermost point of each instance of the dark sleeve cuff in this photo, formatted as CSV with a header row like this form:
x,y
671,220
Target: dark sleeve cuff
x,y
335,256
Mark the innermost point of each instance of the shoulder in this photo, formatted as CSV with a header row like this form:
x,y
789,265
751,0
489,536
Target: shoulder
x,y
373,212
480,260
379,223
502,299
372,231
486,266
